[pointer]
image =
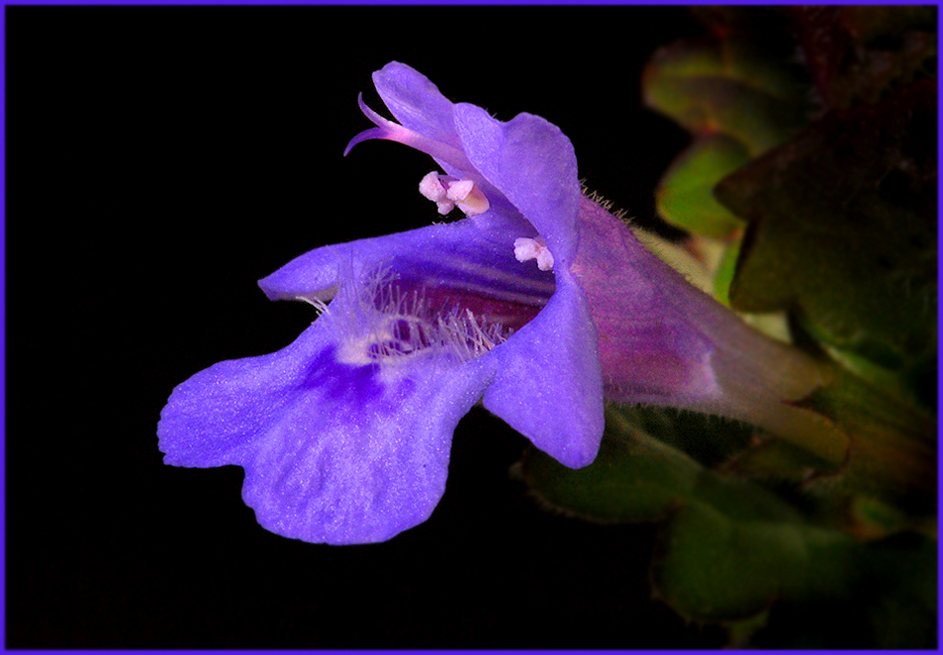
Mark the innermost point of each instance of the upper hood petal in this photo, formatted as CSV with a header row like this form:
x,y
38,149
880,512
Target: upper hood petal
x,y
416,102
532,163
526,165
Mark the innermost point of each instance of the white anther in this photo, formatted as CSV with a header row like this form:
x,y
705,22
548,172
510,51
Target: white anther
x,y
447,193
468,197
431,188
526,249
459,190
434,190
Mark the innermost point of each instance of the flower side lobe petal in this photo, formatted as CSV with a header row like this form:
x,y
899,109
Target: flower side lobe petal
x,y
548,384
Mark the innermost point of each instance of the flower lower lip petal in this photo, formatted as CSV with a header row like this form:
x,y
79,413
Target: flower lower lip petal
x,y
372,468
333,453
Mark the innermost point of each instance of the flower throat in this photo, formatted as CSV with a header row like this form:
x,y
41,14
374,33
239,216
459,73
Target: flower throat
x,y
393,321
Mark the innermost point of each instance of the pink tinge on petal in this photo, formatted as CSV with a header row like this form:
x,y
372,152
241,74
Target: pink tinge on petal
x,y
665,342
390,131
649,350
654,374
440,300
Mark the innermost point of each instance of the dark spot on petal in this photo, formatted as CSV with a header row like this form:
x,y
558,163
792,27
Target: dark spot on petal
x,y
346,384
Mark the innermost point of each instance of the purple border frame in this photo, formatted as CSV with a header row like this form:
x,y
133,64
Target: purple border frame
x,y
3,58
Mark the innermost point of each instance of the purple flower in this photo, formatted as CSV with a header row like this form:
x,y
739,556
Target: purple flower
x,y
345,434
539,303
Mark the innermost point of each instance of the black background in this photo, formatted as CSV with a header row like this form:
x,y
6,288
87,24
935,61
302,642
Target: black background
x,y
160,161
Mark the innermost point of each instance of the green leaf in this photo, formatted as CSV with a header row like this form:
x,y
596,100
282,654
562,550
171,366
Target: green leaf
x,y
739,99
733,551
843,229
742,631
913,382
722,564
725,273
685,196
892,605
893,456
651,462
635,478
726,87
776,459
642,471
